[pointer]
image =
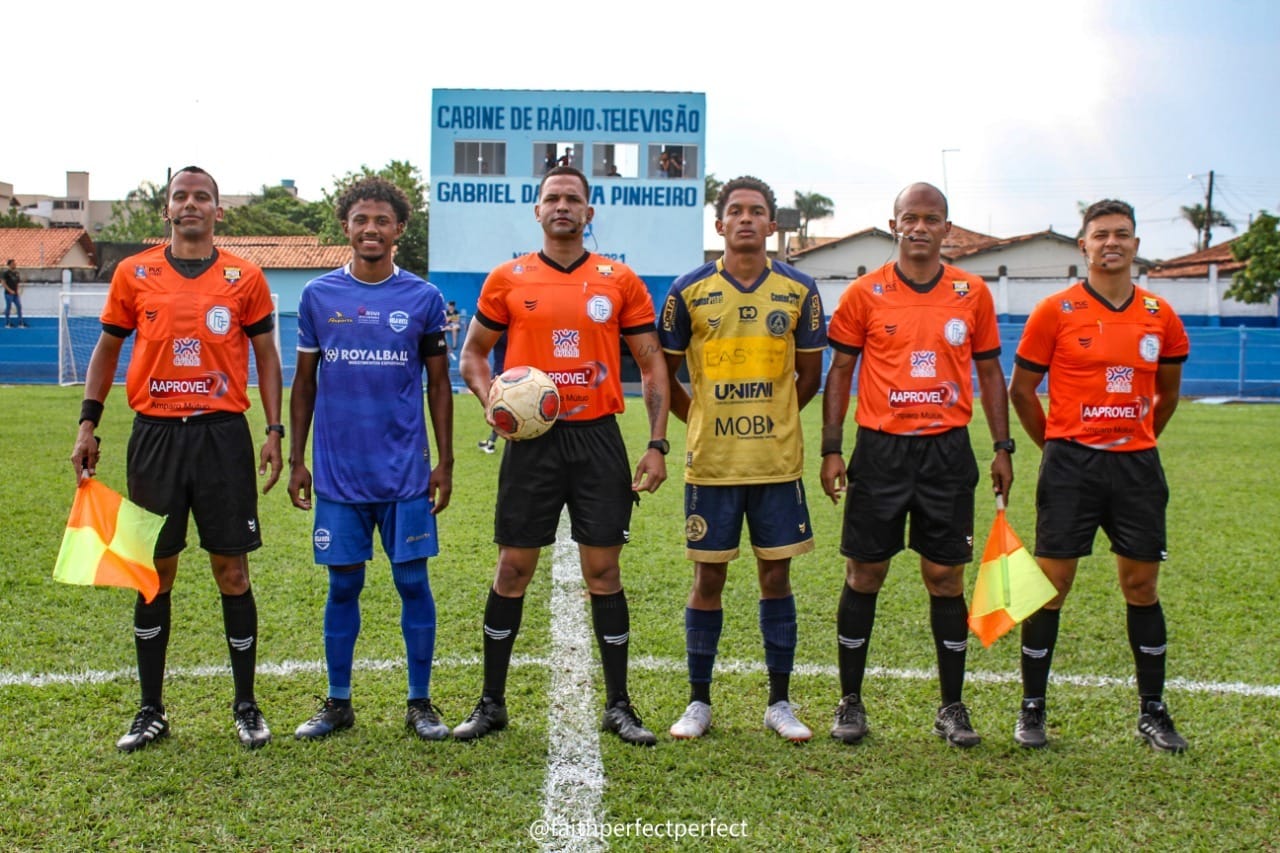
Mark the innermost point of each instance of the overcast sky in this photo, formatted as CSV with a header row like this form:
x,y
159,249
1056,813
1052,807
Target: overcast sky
x,y
1036,105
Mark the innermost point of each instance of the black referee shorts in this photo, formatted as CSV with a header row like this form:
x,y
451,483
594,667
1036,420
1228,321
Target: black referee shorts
x,y
579,464
201,466
1081,489
931,478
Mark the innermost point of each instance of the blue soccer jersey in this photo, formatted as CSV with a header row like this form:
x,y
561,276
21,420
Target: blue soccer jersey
x,y
370,428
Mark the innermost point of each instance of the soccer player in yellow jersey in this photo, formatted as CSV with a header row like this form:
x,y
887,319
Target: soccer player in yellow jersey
x,y
752,332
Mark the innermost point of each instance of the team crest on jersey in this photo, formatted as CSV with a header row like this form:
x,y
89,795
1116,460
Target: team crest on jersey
x,y
139,271
218,319
961,288
1066,306
322,537
956,332
565,343
605,270
398,321
778,322
695,528
186,352
1151,304
1149,348
231,274
877,289
924,364
518,269
1120,379
599,309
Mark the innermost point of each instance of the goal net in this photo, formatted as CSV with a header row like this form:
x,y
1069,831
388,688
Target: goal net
x,y
79,328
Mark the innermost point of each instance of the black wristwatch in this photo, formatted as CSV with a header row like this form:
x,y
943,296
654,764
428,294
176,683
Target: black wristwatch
x,y
276,428
1006,445
661,445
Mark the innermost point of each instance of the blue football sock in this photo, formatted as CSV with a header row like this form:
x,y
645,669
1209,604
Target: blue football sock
x,y
341,627
417,622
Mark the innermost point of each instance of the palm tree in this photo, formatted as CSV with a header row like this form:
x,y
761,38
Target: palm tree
x,y
714,185
812,206
1195,214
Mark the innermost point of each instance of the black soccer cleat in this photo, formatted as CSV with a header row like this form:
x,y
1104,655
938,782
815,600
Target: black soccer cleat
x,y
1155,726
423,719
952,724
149,725
1028,732
488,716
330,718
622,720
851,720
251,728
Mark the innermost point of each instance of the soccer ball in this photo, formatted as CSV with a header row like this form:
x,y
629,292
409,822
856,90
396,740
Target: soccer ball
x,y
523,403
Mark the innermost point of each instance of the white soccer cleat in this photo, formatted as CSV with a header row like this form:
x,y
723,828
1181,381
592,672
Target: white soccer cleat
x,y
693,723
782,719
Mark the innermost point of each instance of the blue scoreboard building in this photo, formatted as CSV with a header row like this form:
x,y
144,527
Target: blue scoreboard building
x,y
644,154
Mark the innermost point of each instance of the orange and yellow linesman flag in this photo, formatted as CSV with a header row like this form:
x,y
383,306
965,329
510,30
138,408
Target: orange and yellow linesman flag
x,y
1010,585
109,541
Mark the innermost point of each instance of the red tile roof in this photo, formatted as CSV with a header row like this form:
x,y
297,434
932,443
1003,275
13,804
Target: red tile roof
x,y
1196,264
282,252
44,248
828,243
962,241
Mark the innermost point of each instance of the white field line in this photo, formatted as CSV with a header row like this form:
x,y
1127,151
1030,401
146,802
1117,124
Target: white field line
x,y
573,792
289,668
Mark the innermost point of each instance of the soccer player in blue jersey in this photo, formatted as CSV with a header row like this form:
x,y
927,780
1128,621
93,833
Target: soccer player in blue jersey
x,y
752,332
365,332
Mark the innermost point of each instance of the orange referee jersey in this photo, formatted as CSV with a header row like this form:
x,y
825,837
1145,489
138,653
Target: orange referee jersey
x,y
568,323
191,354
1102,364
918,345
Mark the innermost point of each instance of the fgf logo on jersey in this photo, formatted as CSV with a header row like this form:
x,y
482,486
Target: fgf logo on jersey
x,y
218,319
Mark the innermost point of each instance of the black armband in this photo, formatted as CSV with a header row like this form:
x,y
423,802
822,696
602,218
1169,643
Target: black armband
x,y
90,410
830,447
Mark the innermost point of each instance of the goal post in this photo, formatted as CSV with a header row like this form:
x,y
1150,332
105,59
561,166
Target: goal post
x,y
79,328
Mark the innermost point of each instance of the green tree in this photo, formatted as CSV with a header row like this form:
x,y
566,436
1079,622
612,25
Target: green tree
x,y
411,251
1195,214
139,216
15,218
1259,248
276,211
714,185
812,206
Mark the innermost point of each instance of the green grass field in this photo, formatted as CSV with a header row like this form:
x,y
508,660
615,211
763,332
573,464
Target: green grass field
x,y
67,688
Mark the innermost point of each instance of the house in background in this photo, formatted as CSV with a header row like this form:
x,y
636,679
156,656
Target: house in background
x,y
49,255
1044,254
289,262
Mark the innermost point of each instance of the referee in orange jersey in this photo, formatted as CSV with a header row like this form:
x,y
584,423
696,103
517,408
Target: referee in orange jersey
x,y
196,312
1114,355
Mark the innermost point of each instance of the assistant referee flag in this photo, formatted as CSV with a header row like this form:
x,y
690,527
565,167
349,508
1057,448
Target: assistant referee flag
x,y
109,541
1010,585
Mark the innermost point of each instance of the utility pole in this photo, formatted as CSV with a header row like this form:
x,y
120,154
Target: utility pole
x,y
945,152
1208,213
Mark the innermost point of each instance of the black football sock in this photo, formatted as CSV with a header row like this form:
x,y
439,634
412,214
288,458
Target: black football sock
x,y
240,617
948,618
854,621
1039,636
501,625
612,621
1148,639
151,641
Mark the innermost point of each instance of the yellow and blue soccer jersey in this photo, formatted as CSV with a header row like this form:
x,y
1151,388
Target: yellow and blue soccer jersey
x,y
740,343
